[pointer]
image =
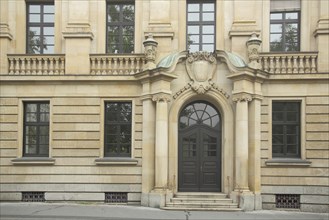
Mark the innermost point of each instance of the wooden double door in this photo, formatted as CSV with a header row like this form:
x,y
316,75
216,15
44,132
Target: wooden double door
x,y
199,166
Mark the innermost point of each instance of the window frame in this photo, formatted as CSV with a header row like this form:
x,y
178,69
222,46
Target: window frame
x,y
37,124
118,155
201,23
120,24
284,123
40,24
284,22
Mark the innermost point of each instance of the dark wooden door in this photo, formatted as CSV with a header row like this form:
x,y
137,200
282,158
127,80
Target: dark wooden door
x,y
199,167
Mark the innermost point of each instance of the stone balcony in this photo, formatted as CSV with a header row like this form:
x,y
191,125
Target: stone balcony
x,y
289,63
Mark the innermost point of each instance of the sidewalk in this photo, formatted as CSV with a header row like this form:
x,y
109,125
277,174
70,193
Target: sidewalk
x,y
71,211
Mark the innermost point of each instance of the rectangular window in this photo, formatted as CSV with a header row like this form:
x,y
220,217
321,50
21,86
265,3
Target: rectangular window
x,y
36,129
40,28
201,26
286,129
120,27
117,129
284,31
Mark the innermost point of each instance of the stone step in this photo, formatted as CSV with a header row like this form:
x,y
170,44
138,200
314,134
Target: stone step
x,y
225,209
203,200
202,205
200,195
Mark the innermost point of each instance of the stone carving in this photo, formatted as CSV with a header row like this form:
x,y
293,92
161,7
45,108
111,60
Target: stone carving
x,y
161,97
201,67
150,50
241,98
253,45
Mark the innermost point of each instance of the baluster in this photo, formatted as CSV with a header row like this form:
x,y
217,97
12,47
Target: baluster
x,y
289,67
115,72
307,64
313,65
98,63
277,65
45,60
103,60
271,65
127,72
56,65
138,64
132,66
92,66
17,66
23,70
301,64
265,64
62,65
39,66
294,65
28,66
121,66
34,66
283,65
51,66
11,65
109,66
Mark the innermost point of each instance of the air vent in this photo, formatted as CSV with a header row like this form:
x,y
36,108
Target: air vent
x,y
116,197
33,197
287,201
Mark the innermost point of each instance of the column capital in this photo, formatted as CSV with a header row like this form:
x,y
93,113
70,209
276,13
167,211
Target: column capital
x,y
241,97
161,97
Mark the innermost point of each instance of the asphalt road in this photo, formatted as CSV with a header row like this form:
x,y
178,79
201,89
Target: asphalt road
x,y
69,211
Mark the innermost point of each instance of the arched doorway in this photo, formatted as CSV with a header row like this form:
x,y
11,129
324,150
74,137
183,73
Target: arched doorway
x,y
199,148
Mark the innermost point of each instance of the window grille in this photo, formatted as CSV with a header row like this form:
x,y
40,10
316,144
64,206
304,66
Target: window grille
x,y
288,201
116,197
33,197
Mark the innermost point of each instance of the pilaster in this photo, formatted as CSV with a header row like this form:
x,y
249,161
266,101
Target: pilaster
x,y
5,37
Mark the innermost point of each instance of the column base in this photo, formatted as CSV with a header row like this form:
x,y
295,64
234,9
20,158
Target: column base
x,y
156,198
246,199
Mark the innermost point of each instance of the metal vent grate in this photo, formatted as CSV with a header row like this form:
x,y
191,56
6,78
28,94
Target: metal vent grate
x,y
287,201
33,197
116,197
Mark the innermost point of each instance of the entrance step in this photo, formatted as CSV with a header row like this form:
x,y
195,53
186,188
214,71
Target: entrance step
x,y
201,202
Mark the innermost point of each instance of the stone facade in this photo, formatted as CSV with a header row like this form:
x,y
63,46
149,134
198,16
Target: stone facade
x,y
241,79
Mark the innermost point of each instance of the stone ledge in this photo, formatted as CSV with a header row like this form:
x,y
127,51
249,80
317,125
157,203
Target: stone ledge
x,y
33,161
116,161
288,162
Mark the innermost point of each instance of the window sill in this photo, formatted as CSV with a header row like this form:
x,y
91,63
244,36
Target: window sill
x,y
115,161
33,161
288,162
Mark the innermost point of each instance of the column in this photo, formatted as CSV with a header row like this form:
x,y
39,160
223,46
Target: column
x,y
148,167
241,143
161,141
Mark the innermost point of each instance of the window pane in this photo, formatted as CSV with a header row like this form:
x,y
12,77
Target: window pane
x,y
277,149
48,31
208,29
44,149
208,7
278,106
49,49
277,139
293,15
50,18
208,39
34,8
277,129
31,117
113,13
193,17
49,9
276,28
208,16
49,40
31,130
193,39
276,16
128,13
277,116
194,48
193,30
34,18
209,48
31,149
276,38
193,7
292,149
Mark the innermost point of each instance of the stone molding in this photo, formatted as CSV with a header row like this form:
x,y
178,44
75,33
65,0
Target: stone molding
x,y
161,97
78,30
212,86
5,31
242,98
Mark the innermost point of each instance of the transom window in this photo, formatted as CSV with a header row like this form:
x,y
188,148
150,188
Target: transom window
x,y
286,129
120,27
118,129
40,28
201,26
36,129
285,31
199,113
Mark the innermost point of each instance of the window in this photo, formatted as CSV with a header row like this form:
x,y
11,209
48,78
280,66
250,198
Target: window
x,y
284,31
201,26
36,129
286,129
120,27
117,129
40,28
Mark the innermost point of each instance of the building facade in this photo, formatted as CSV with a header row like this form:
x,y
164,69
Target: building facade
x,y
218,105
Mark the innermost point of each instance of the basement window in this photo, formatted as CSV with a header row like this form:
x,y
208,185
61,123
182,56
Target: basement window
x,y
116,197
33,197
287,201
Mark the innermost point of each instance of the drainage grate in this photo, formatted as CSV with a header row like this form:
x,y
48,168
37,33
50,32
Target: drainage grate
x,y
116,197
33,197
287,201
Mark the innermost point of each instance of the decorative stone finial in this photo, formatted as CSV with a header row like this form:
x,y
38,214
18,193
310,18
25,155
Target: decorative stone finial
x,y
150,49
253,45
